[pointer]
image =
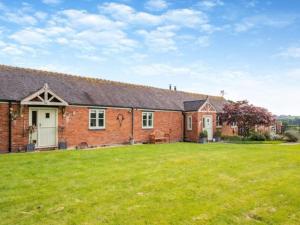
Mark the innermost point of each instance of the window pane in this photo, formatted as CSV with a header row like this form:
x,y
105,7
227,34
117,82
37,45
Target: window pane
x,y
101,115
144,123
34,118
150,123
93,115
93,122
101,122
150,119
144,116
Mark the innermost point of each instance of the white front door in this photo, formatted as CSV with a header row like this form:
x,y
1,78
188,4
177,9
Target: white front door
x,y
47,128
208,126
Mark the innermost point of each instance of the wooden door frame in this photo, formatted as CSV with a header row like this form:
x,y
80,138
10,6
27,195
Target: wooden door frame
x,y
32,108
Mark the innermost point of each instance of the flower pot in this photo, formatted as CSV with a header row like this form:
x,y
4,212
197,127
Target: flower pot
x,y
203,140
30,147
218,139
62,145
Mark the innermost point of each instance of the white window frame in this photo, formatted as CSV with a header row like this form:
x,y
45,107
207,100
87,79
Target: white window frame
x,y
219,122
147,119
97,127
189,123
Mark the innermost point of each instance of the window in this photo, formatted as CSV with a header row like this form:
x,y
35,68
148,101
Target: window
x,y
97,119
190,123
234,124
34,118
203,122
219,121
147,118
47,115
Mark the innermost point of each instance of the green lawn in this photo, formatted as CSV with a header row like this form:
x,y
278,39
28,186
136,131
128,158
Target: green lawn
x,y
153,184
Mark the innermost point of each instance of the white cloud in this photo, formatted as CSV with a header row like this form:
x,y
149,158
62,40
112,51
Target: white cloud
x,y
51,2
156,5
117,10
259,21
128,15
161,39
81,19
292,52
15,50
186,18
180,17
24,15
203,41
41,15
93,58
209,4
30,37
19,18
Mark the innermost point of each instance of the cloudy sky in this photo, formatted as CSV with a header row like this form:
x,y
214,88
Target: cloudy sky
x,y
249,48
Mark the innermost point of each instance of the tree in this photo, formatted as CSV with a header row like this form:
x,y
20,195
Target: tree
x,y
246,116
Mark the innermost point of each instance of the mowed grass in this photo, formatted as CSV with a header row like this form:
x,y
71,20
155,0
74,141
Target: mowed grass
x,y
178,183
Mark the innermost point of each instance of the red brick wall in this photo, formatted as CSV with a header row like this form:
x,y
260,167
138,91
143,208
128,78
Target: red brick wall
x,y
77,128
19,128
3,127
192,135
168,122
228,130
197,117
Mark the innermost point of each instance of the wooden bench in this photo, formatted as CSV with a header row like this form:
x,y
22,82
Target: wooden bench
x,y
159,137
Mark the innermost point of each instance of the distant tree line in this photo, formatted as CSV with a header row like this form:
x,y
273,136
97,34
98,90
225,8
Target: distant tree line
x,y
290,122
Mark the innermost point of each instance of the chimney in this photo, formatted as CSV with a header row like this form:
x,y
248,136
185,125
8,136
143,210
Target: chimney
x,y
175,88
170,87
222,93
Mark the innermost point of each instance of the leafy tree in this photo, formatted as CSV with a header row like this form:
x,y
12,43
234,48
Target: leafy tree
x,y
246,116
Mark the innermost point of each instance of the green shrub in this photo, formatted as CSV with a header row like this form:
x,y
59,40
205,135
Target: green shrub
x,y
257,137
267,136
276,137
218,133
203,134
290,136
232,138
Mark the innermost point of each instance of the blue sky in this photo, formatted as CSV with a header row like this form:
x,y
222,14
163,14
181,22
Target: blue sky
x,y
250,49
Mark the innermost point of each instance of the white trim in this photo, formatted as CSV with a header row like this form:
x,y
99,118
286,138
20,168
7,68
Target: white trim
x,y
56,124
190,123
44,101
212,125
147,120
97,127
204,104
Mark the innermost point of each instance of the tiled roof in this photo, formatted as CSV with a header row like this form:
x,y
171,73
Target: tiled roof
x,y
17,83
193,105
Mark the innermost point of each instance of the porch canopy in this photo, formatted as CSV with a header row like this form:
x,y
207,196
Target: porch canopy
x,y
44,97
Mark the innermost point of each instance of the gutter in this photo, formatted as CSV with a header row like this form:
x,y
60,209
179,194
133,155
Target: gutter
x,y
9,127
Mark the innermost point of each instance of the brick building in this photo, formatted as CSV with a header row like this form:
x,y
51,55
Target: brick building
x,y
46,108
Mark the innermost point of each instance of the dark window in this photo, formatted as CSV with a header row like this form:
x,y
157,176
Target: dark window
x,y
47,115
34,118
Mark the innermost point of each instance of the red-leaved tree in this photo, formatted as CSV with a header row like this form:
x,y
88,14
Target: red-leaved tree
x,y
246,116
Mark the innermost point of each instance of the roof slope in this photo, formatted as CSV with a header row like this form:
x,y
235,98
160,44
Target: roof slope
x,y
193,105
18,83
